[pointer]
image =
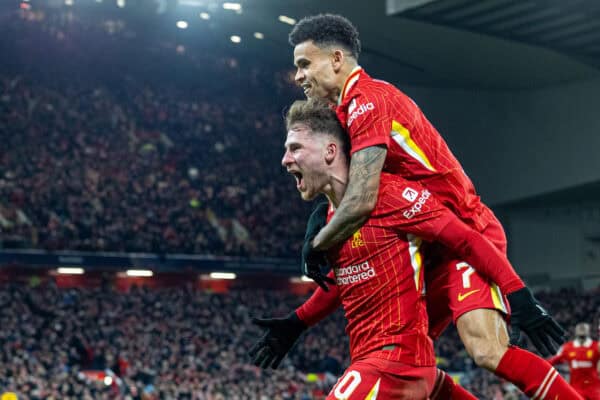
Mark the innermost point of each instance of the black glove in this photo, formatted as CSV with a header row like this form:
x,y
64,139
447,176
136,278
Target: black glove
x,y
312,260
281,335
529,316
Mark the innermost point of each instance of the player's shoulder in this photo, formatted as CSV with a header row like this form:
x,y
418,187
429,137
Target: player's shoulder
x,y
568,346
375,89
364,104
383,95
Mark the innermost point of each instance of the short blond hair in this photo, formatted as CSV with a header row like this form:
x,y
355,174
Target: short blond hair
x,y
320,118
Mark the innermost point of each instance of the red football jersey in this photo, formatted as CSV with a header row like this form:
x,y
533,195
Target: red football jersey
x,y
583,358
379,271
379,278
374,112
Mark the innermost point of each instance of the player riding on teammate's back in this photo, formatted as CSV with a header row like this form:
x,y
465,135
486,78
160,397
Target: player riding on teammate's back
x,y
379,271
389,132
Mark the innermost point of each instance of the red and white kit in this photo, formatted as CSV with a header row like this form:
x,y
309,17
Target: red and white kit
x,y
379,282
583,358
373,112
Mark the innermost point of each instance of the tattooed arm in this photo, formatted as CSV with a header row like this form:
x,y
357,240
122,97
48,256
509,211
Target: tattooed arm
x,y
359,199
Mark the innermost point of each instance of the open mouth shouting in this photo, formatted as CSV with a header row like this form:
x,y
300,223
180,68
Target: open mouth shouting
x,y
299,180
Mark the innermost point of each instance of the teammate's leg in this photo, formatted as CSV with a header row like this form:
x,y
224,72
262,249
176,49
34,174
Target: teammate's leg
x,y
479,311
484,334
440,317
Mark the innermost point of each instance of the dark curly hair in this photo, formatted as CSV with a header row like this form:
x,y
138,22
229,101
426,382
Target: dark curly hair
x,y
320,118
327,29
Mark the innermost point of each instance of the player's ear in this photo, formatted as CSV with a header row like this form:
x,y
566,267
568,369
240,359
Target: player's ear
x,y
330,152
337,59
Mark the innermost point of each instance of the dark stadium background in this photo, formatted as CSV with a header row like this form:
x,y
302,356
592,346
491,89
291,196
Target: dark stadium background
x,y
130,143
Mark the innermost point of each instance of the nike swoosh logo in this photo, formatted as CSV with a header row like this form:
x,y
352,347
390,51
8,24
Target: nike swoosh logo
x,y
462,296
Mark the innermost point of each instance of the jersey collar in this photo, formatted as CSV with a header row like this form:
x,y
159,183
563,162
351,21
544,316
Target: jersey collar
x,y
350,81
586,343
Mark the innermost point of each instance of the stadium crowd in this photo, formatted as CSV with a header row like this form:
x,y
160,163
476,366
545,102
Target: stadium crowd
x,y
103,161
167,344
145,172
183,343
109,148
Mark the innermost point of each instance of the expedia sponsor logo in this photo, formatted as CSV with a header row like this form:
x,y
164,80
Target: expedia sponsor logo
x,y
581,364
416,208
355,111
354,273
410,194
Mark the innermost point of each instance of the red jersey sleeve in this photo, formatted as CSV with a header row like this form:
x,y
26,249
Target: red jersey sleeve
x,y
368,122
410,208
558,357
320,304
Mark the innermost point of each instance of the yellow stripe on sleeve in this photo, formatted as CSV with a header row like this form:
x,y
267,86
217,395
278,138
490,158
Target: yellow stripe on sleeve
x,y
497,298
401,135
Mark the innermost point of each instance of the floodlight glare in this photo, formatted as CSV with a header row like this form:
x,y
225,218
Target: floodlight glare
x,y
287,20
235,39
222,275
302,279
232,6
182,24
259,35
139,272
204,15
70,271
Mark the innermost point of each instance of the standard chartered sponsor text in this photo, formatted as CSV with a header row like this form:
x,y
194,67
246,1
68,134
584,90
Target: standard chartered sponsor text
x,y
354,273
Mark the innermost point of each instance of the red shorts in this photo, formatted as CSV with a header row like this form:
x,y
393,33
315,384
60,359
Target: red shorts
x,y
376,378
454,288
588,392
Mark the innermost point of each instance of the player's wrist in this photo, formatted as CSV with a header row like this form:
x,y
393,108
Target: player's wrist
x,y
512,286
296,321
303,317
